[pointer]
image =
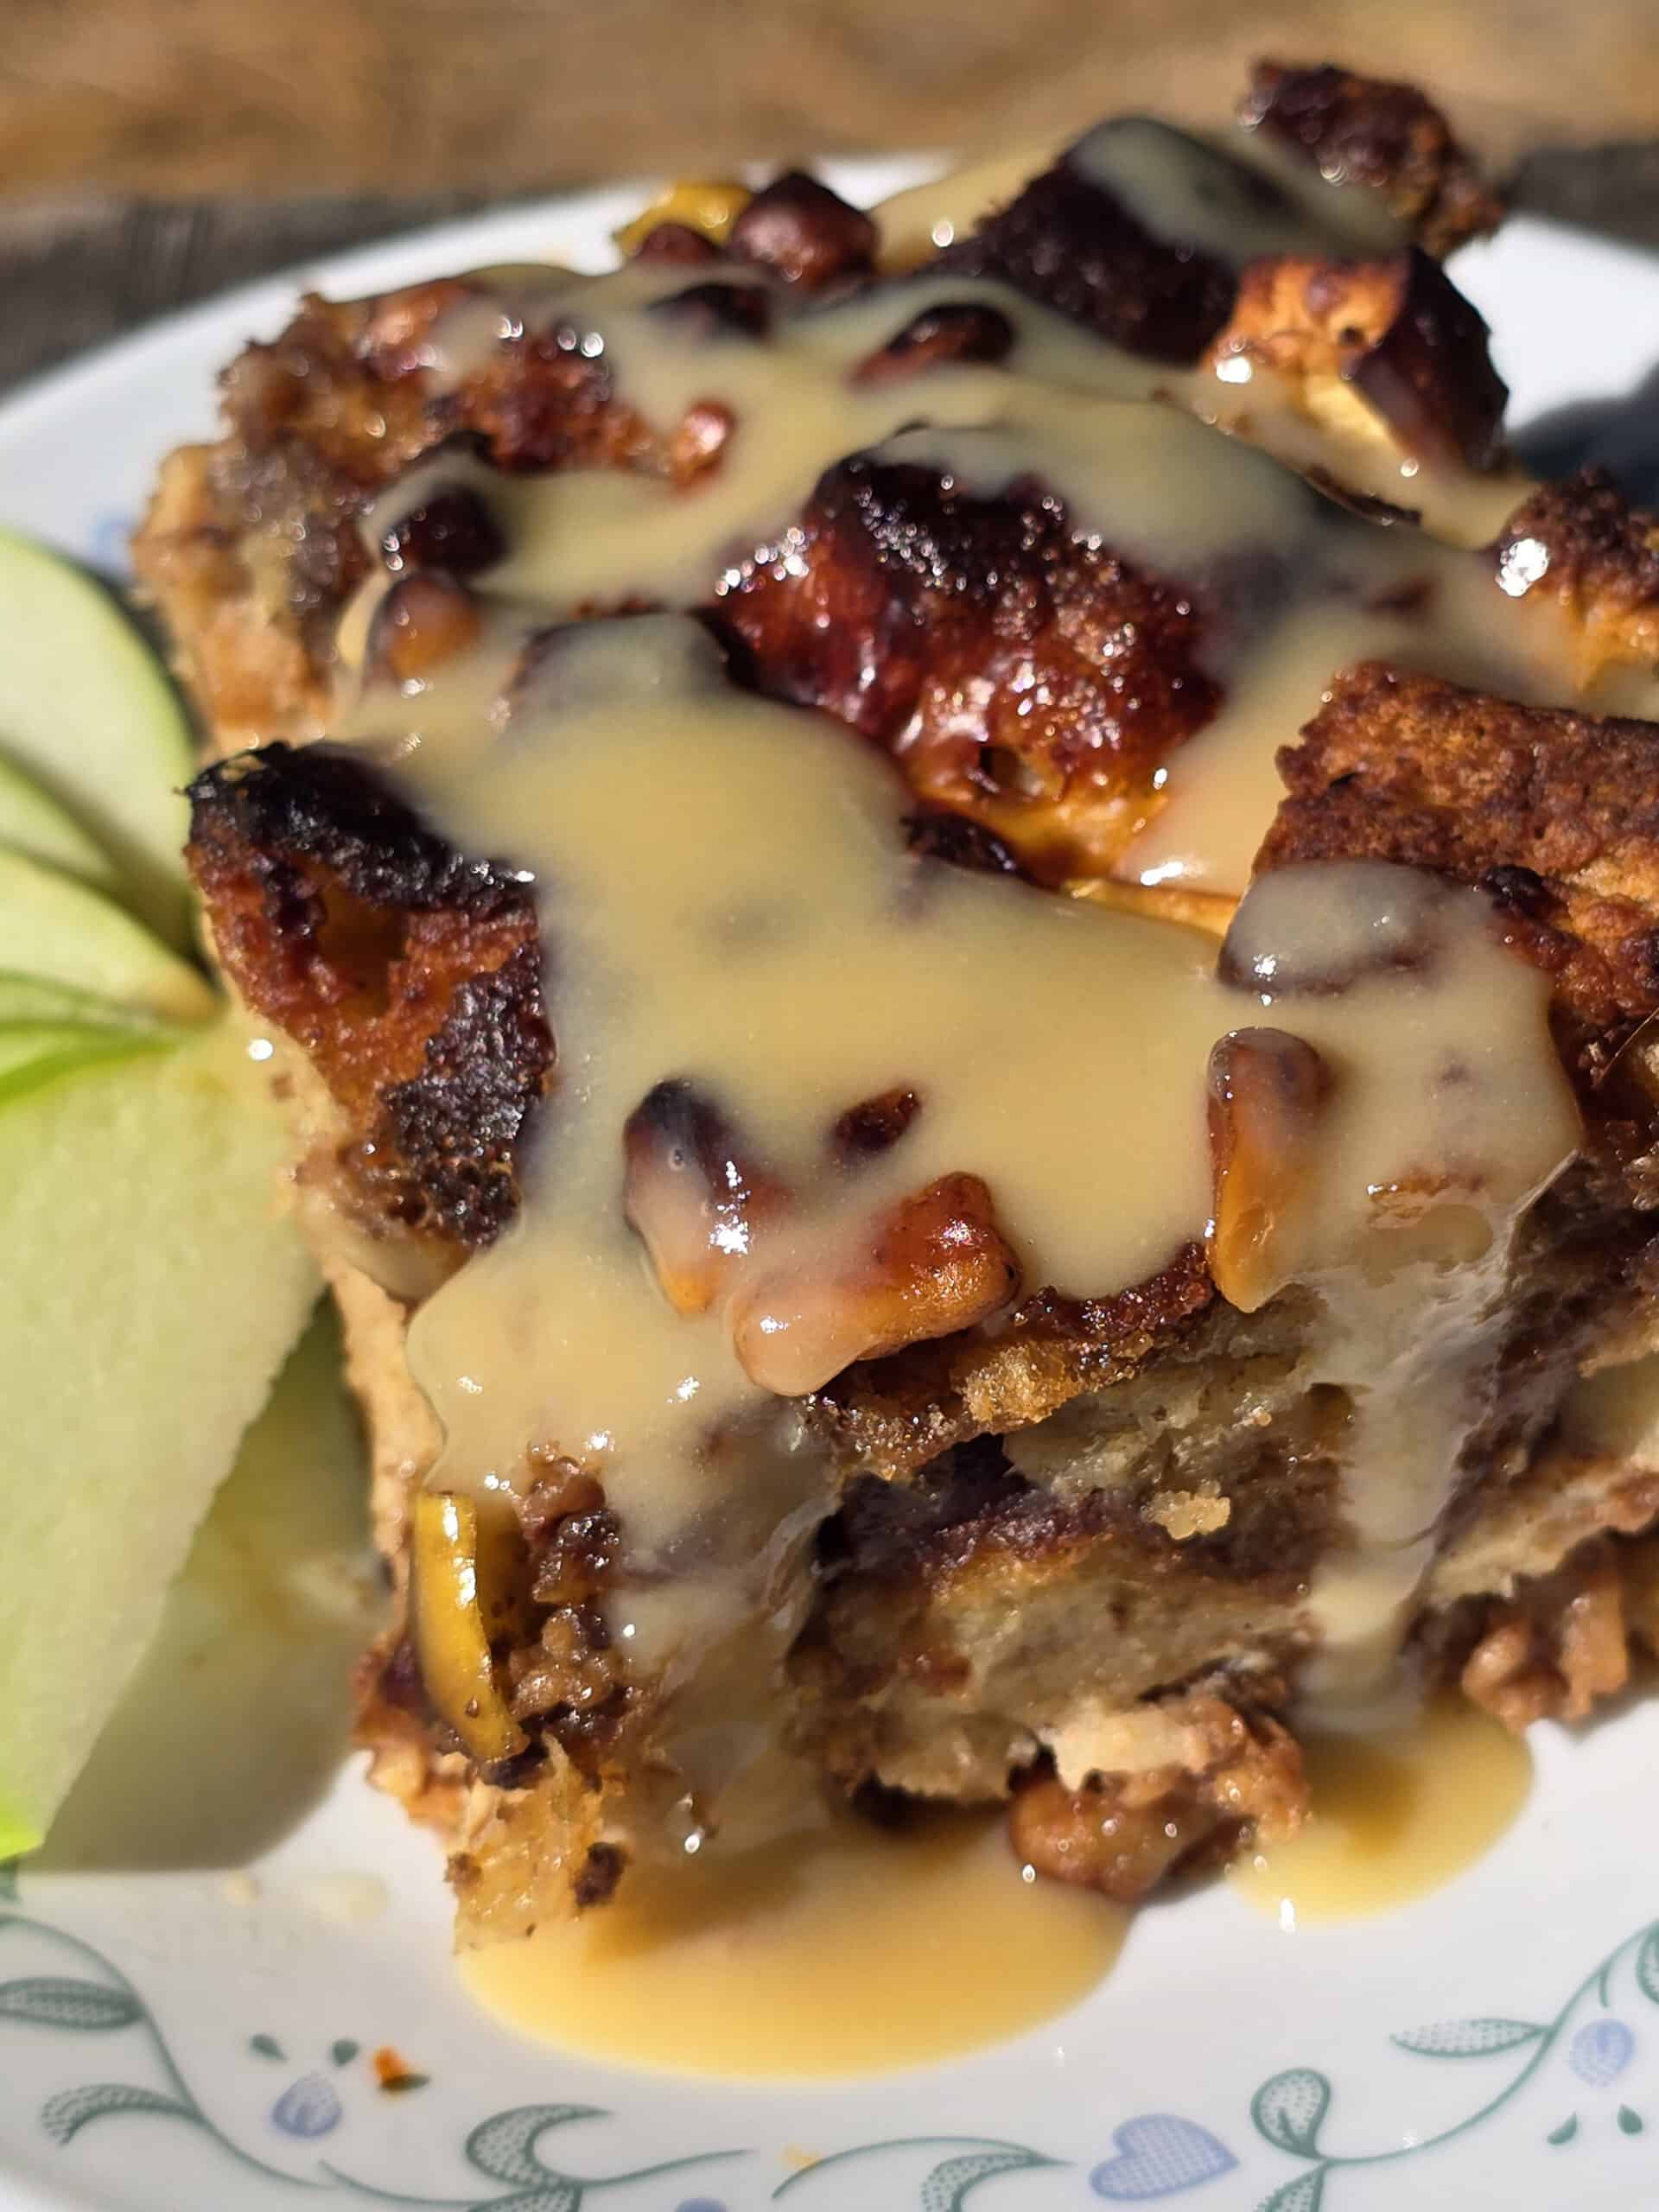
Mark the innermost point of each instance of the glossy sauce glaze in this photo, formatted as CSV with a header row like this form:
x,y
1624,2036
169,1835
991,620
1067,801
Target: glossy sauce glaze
x,y
1287,586
721,982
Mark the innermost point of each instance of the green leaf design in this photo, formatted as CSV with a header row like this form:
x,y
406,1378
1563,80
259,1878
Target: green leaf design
x,y
343,2051
49,2002
505,2146
1647,1966
1467,2038
267,2046
1289,2111
1630,2123
947,2188
1565,2131
65,2115
560,2196
1301,2195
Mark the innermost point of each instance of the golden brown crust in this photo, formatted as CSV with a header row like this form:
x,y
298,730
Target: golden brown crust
x,y
1396,334
1556,814
933,621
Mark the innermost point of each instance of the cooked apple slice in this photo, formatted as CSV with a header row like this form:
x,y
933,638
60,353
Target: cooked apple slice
x,y
152,1288
86,709
32,822
57,930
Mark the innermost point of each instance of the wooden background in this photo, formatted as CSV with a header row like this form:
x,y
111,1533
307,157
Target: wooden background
x,y
499,96
152,151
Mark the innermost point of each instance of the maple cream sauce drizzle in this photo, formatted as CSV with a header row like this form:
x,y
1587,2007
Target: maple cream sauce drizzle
x,y
725,885
726,890
1238,195
1068,409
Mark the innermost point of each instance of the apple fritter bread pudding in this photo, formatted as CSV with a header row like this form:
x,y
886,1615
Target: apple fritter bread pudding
x,y
964,909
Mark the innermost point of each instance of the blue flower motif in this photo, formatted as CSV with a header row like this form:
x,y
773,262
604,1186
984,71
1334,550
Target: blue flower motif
x,y
701,2204
1600,2051
306,2107
1159,2155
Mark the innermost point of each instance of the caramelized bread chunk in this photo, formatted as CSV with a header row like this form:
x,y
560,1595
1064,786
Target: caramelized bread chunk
x,y
1022,673
410,977
251,548
1389,137
1556,814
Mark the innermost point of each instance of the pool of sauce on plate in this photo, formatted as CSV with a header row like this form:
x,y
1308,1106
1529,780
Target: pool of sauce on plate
x,y
854,1948
1397,1811
848,1950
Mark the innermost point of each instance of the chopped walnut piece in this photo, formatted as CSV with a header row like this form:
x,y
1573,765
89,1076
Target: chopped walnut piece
x,y
1123,1833
937,1263
1267,1093
1551,1655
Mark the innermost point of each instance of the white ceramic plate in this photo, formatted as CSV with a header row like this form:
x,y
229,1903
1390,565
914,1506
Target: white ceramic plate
x,y
191,2042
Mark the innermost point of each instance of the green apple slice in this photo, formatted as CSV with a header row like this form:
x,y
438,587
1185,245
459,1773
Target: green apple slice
x,y
39,1052
86,709
32,822
26,999
279,1598
152,1288
55,929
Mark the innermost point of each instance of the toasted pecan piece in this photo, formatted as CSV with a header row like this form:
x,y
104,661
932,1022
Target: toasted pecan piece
x,y
1267,1092
692,1193
936,1263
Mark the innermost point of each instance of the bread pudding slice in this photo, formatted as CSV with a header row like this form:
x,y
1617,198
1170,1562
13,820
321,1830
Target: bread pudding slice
x,y
830,1267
